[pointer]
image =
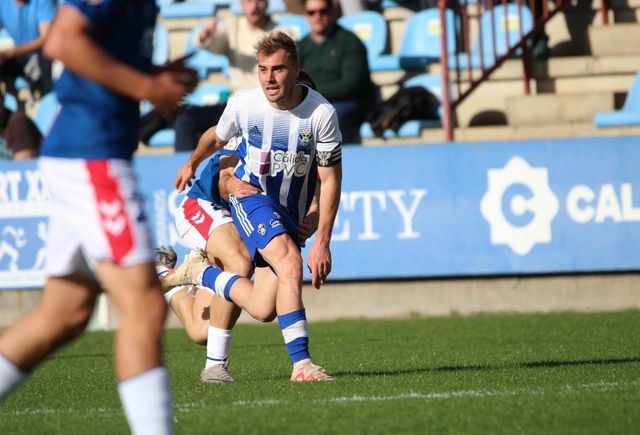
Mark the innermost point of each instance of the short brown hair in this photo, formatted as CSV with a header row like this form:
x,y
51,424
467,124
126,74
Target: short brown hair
x,y
275,41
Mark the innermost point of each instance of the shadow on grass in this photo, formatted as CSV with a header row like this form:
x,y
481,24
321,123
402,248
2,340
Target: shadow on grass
x,y
483,367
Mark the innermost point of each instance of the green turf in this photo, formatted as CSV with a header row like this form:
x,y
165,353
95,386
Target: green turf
x,y
558,373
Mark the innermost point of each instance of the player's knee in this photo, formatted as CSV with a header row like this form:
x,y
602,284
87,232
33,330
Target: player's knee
x,y
265,316
147,309
199,336
70,325
238,262
291,267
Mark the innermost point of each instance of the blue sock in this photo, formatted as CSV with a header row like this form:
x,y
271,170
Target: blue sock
x,y
294,331
219,281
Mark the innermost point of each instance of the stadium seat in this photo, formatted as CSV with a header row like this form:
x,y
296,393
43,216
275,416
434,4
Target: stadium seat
x,y
296,24
629,115
421,41
205,61
46,112
508,30
10,102
371,28
275,7
413,127
209,94
163,138
191,9
160,45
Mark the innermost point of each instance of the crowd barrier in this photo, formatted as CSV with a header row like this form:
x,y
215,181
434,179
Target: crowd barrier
x,y
535,207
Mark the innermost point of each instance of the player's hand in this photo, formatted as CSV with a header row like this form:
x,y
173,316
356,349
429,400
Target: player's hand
x,y
241,189
307,227
207,30
319,263
169,89
184,177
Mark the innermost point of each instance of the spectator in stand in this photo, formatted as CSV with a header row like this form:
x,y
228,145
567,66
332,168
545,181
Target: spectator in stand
x,y
21,135
234,37
27,22
337,60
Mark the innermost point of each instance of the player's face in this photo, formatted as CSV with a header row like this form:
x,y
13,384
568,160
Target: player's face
x,y
318,15
277,73
255,11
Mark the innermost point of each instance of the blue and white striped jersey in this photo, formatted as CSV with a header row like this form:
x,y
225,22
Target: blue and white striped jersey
x,y
279,149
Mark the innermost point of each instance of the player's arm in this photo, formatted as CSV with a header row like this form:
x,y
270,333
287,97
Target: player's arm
x,y
319,260
70,41
229,184
208,144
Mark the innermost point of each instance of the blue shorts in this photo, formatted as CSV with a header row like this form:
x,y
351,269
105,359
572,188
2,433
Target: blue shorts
x,y
259,218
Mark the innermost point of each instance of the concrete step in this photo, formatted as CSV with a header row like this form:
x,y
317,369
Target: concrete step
x,y
618,39
557,109
509,133
557,67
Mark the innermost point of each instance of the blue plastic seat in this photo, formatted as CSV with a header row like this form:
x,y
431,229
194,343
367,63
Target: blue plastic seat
x,y
412,127
629,115
160,45
209,94
421,41
504,30
371,28
163,138
296,24
10,102
192,9
205,61
46,112
274,7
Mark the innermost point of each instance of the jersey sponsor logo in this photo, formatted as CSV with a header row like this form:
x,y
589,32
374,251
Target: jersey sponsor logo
x,y
519,205
274,223
290,163
305,138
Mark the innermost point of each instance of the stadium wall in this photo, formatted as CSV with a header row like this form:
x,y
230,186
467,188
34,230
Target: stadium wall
x,y
477,217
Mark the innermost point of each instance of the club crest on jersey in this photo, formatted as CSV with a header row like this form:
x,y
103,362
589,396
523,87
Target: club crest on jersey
x,y
262,230
305,138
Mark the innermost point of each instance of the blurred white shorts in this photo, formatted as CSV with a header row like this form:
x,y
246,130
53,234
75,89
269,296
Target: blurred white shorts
x,y
96,215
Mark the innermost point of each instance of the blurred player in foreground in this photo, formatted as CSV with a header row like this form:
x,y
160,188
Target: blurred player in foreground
x,y
97,227
285,129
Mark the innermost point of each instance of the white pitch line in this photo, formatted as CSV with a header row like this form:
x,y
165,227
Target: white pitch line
x,y
598,387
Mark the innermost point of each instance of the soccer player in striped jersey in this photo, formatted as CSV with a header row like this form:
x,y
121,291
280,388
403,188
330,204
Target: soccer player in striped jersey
x,y
285,129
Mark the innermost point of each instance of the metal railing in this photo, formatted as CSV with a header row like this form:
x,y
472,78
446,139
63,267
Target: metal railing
x,y
480,61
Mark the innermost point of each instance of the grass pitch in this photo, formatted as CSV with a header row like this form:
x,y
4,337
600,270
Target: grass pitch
x,y
555,373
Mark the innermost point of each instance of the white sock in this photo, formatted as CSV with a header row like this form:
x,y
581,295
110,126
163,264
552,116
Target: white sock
x,y
10,376
168,295
146,399
218,342
162,270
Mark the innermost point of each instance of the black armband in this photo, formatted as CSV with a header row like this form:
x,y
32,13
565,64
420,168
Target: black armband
x,y
326,159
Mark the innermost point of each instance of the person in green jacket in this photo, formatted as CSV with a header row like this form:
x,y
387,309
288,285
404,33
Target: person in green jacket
x,y
336,59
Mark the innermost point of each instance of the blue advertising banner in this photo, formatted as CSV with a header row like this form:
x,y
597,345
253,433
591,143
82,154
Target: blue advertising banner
x,y
557,206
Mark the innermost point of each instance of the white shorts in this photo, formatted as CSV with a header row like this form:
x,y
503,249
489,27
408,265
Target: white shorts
x,y
96,215
197,218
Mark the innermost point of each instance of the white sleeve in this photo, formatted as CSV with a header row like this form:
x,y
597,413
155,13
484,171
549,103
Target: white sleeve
x,y
328,132
228,126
